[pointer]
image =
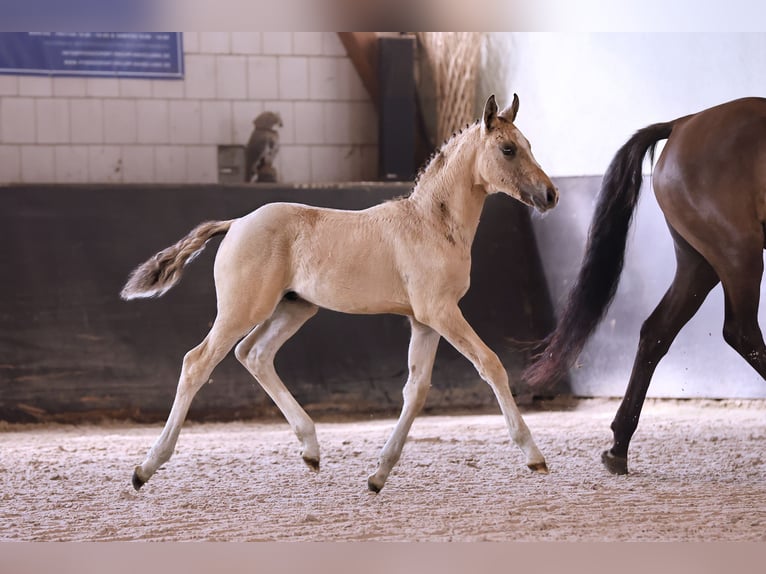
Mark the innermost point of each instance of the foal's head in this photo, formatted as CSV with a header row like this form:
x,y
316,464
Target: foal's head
x,y
505,161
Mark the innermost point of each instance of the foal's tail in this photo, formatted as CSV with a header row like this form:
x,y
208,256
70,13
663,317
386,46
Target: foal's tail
x,y
163,270
599,275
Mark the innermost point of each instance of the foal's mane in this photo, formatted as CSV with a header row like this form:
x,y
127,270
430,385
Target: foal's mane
x,y
437,157
435,161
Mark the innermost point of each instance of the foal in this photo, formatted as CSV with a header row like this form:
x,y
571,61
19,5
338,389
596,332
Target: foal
x,y
410,256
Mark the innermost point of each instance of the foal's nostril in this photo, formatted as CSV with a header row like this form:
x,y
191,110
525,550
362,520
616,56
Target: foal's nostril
x,y
551,195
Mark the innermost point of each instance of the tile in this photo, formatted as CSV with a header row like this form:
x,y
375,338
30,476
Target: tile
x,y
214,42
103,87
216,123
190,42
294,164
277,43
71,164
324,79
138,164
170,164
309,123
200,76
10,164
37,164
40,86
231,77
71,87
135,88
17,120
86,121
332,164
152,121
104,164
307,43
293,78
202,164
168,89
120,121
9,85
52,120
262,78
338,123
185,118
246,43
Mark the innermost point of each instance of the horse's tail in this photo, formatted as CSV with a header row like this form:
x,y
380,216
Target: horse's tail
x,y
163,270
599,275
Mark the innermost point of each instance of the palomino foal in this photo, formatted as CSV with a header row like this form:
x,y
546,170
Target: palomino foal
x,y
410,256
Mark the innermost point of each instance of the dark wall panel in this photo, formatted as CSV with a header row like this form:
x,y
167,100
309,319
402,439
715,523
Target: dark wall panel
x,y
70,349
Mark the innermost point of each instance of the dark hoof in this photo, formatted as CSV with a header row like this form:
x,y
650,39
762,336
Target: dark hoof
x,y
313,463
539,467
373,487
614,464
137,482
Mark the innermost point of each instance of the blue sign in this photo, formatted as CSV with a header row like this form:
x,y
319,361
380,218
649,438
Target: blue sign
x,y
105,54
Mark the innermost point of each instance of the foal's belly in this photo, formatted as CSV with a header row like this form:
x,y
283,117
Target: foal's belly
x,y
359,288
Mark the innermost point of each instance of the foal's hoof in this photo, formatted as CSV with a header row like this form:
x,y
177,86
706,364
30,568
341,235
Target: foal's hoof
x,y
374,485
614,464
137,481
313,463
538,467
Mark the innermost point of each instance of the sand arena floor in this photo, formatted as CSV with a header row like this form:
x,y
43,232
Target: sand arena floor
x,y
698,473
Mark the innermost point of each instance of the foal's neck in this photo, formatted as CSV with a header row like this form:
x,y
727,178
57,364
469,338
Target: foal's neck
x,y
447,189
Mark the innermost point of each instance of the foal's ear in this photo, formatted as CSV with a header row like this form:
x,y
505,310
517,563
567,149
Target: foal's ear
x,y
510,112
490,113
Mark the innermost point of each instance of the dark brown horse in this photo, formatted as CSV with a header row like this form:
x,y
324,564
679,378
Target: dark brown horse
x,y
710,181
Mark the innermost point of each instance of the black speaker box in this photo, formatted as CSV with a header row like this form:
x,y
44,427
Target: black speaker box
x,y
397,111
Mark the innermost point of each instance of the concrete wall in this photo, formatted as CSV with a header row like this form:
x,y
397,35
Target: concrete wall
x,y
105,130
582,95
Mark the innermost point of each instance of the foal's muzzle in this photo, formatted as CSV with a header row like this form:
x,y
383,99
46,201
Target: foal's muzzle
x,y
545,198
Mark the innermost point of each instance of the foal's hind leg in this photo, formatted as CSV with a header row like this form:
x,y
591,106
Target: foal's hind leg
x,y
256,352
423,344
451,325
693,281
197,367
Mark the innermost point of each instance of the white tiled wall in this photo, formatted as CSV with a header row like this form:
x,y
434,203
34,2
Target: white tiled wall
x,y
94,130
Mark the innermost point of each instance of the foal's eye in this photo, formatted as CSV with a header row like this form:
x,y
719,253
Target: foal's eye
x,y
508,150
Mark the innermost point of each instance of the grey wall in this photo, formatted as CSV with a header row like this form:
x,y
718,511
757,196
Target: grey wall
x,y
71,350
699,364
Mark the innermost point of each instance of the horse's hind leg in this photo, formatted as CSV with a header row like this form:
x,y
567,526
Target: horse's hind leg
x,y
422,352
198,365
693,280
257,351
451,325
741,277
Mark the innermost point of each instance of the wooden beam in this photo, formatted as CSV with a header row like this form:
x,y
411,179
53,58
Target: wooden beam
x,y
362,48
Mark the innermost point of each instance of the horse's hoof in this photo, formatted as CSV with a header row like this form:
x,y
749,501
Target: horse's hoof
x,y
313,463
373,485
538,467
137,481
614,464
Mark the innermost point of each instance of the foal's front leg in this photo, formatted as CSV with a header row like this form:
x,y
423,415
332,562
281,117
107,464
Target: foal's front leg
x,y
423,344
451,324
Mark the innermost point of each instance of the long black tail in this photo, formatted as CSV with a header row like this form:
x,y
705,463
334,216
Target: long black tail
x,y
599,275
